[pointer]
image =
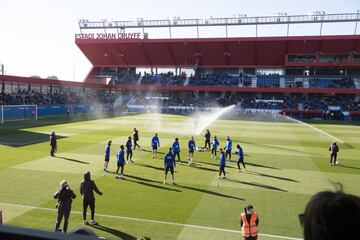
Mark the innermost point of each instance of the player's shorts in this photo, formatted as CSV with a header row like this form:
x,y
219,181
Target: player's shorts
x,y
129,151
120,164
191,150
171,170
222,167
241,160
107,158
154,147
228,152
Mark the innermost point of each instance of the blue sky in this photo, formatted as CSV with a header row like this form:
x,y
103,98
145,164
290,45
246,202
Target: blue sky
x,y
37,36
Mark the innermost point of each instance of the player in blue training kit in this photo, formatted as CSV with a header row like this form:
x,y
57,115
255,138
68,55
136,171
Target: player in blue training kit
x,y
155,143
192,147
176,149
240,152
169,164
107,156
129,152
228,147
120,162
215,144
222,163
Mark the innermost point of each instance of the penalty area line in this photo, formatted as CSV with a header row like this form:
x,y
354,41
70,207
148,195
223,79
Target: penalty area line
x,y
152,221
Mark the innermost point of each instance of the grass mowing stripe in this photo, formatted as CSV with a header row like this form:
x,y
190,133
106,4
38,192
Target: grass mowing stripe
x,y
316,129
152,221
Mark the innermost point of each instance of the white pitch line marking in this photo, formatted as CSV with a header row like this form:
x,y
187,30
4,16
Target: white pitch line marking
x,y
153,221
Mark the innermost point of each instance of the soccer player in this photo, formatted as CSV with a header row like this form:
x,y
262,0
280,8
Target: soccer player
x,y
136,138
107,156
120,162
333,149
191,146
129,152
169,164
155,143
87,188
207,139
228,147
240,152
215,144
53,144
222,163
176,149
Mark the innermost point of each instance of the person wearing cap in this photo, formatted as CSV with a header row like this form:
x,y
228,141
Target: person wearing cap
x,y
249,222
333,149
64,195
107,156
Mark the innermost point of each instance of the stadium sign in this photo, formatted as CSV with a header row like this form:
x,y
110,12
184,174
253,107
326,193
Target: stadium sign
x,y
98,36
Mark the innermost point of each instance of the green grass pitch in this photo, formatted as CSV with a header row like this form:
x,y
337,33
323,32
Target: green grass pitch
x,y
287,163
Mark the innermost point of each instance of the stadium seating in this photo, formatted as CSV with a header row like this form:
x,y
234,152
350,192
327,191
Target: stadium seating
x,y
331,82
215,80
266,81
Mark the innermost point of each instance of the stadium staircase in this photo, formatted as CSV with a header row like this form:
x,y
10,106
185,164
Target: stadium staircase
x,y
282,82
253,81
187,80
139,80
357,83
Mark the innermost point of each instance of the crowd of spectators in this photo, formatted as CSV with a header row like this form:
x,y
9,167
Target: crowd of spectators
x,y
182,99
25,97
215,80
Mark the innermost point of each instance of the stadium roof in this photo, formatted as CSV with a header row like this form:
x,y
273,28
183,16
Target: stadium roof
x,y
211,52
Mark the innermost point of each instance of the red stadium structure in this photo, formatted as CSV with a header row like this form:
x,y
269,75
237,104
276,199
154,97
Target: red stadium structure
x,y
301,60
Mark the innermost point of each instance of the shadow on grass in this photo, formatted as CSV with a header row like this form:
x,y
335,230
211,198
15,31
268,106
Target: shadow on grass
x,y
20,138
145,182
274,147
257,185
115,232
270,176
72,160
347,166
149,166
210,192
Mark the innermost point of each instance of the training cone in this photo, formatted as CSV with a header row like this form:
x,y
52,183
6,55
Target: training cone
x,y
1,219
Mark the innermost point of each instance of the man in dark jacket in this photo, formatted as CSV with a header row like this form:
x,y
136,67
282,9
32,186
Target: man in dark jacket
x,y
136,138
64,196
207,139
53,144
87,188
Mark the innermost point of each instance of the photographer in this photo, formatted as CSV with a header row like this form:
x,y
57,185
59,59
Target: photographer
x,y
64,196
87,188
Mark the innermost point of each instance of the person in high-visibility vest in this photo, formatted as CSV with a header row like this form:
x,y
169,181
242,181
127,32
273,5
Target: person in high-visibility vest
x,y
249,222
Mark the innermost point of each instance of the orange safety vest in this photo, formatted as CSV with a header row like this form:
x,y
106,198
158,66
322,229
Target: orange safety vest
x,y
249,229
